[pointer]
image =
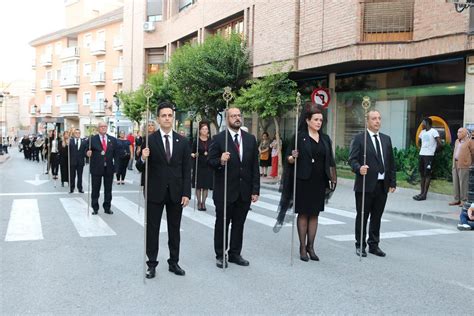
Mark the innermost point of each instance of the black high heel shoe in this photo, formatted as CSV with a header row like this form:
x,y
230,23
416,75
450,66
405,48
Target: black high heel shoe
x,y
312,254
304,257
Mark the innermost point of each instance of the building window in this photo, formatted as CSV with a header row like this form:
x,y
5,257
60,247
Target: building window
x,y
155,60
235,26
87,40
387,20
86,98
58,74
154,10
48,100
183,4
87,69
58,101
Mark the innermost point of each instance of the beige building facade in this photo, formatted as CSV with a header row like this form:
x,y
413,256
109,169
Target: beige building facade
x,y
78,71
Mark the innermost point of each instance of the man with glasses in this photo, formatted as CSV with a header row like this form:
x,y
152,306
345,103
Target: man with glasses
x,y
103,154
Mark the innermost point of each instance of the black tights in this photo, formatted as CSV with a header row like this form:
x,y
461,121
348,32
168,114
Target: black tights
x,y
201,198
307,228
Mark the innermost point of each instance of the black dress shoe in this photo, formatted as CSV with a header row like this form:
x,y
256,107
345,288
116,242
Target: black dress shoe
x,y
176,269
108,212
81,191
150,273
377,251
95,212
364,253
71,192
220,264
239,260
312,254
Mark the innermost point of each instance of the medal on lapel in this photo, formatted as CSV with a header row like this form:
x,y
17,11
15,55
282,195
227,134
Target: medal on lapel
x,y
102,152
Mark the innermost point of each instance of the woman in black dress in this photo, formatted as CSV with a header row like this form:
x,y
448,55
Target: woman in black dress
x,y
204,172
124,149
315,173
63,149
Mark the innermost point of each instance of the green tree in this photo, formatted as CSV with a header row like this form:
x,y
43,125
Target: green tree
x,y
271,97
134,102
199,73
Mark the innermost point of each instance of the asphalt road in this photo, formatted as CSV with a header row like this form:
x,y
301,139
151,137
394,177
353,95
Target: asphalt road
x,y
57,260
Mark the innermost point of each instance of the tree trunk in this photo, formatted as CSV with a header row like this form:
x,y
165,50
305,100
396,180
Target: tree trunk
x,y
279,142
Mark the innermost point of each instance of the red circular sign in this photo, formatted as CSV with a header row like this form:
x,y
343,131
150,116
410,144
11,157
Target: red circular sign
x,y
321,97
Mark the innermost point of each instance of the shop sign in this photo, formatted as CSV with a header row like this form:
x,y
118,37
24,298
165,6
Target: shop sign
x,y
321,97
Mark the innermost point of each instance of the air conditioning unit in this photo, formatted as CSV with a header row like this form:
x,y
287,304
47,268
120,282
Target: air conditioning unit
x,y
149,26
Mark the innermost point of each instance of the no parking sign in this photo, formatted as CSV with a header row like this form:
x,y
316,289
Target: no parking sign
x,y
321,97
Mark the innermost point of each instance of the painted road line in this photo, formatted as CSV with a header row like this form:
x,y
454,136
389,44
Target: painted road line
x,y
25,222
399,234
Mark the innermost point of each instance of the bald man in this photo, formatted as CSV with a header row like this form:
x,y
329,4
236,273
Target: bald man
x,y
463,156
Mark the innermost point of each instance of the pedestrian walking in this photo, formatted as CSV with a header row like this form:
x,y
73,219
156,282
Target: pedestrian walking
x,y
124,149
52,145
169,184
202,176
64,158
379,172
103,156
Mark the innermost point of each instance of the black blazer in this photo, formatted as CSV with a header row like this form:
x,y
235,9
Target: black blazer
x,y
243,177
305,165
175,175
77,157
356,160
98,160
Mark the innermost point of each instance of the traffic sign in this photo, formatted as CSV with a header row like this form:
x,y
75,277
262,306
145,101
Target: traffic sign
x,y
321,97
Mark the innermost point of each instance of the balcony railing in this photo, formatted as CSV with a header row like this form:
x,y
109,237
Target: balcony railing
x,y
97,78
117,75
70,82
97,48
118,42
46,109
46,84
69,108
98,107
46,60
70,53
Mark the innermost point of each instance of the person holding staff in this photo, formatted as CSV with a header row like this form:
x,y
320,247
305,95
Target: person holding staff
x,y
77,151
203,182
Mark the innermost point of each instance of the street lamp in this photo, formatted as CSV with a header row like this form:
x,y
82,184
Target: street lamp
x,y
3,99
117,112
36,110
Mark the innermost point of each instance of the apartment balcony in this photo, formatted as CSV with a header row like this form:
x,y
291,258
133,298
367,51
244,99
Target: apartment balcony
x,y
69,108
70,82
118,43
97,48
46,60
70,53
46,84
97,78
46,109
98,107
117,75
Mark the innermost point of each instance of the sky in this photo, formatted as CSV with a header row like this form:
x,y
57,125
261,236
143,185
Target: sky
x,y
20,22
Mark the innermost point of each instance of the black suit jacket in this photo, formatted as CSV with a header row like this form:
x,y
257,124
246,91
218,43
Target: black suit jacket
x,y
243,177
77,156
305,165
175,175
356,160
98,160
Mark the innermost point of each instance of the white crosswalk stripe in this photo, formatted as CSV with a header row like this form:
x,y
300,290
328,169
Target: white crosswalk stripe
x,y
86,225
25,222
131,210
399,234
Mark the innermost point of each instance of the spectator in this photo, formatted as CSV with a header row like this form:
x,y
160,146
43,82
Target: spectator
x,y
264,150
466,219
131,140
463,156
275,146
430,142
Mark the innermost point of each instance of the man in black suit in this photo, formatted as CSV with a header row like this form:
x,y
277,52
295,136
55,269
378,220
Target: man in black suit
x,y
379,172
169,184
243,185
103,154
77,156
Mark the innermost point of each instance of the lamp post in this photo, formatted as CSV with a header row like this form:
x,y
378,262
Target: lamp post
x,y
117,112
3,102
35,107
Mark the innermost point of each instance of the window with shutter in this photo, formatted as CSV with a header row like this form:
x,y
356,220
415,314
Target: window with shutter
x,y
387,20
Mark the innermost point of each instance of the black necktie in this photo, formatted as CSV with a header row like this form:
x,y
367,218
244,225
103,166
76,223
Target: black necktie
x,y
236,143
379,155
167,148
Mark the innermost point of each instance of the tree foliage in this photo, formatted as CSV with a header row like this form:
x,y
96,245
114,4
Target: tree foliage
x,y
199,73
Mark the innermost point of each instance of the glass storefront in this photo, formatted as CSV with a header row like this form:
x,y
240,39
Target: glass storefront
x,y
403,97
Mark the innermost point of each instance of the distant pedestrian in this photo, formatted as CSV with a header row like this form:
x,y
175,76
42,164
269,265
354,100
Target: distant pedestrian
x,y
124,149
275,146
64,157
131,140
430,142
264,151
204,172
463,156
77,152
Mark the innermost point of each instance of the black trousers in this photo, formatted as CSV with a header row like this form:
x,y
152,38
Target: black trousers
x,y
174,212
96,183
374,206
54,163
122,168
237,214
77,169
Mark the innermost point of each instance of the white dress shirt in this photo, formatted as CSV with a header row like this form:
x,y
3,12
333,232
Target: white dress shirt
x,y
241,147
381,176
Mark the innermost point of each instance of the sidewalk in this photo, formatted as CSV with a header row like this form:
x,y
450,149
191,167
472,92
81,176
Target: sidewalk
x,y
4,158
435,208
